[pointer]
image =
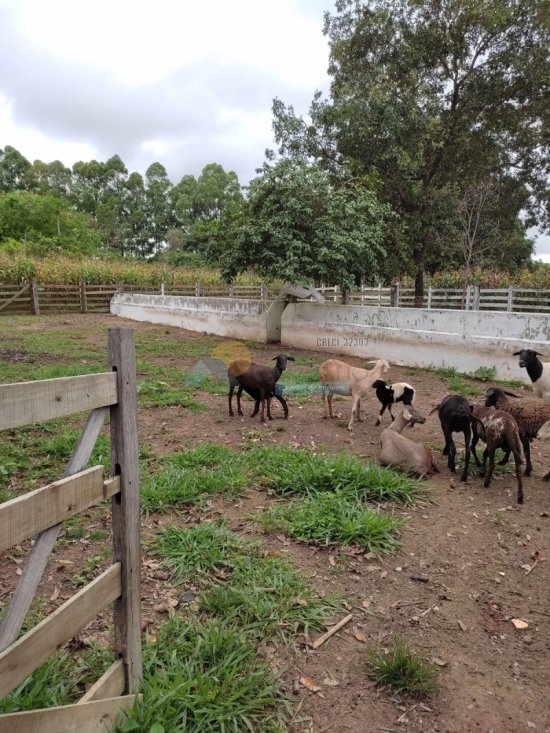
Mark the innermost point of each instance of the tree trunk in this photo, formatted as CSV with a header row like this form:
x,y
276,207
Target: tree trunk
x,y
419,286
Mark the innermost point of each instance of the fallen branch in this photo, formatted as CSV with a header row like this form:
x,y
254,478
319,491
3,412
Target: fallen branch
x,y
321,640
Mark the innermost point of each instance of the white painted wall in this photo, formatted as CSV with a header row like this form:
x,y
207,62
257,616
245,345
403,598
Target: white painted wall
x,y
465,340
238,318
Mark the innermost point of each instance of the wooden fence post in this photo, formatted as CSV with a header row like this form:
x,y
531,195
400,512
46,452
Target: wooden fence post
x,y
394,295
82,291
430,292
510,304
197,289
126,510
35,303
476,299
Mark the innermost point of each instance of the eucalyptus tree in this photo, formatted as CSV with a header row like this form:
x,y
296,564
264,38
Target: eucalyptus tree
x,y
14,170
427,97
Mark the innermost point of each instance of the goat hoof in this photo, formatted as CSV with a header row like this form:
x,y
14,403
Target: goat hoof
x,y
547,477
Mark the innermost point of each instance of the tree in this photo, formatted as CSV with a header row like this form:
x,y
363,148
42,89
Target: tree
x,y
45,224
159,212
202,208
428,97
14,170
300,224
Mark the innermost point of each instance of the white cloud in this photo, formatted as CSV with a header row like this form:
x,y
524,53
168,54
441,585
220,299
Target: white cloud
x,y
185,84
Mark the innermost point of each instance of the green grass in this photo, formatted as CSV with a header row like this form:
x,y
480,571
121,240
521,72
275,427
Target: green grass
x,y
175,487
299,472
333,518
268,597
197,551
205,679
458,383
402,670
58,681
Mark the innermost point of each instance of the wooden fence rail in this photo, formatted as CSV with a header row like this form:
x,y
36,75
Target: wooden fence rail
x,y
40,513
33,298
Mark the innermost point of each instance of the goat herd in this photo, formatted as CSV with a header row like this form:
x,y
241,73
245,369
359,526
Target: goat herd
x,y
500,422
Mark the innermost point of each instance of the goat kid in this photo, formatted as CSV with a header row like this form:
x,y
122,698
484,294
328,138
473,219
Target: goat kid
x,y
499,430
538,371
389,394
259,381
456,416
403,453
340,378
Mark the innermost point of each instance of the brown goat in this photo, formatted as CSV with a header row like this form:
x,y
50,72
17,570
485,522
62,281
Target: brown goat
x,y
499,430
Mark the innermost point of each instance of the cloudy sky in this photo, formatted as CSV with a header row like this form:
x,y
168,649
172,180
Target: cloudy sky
x,y
179,82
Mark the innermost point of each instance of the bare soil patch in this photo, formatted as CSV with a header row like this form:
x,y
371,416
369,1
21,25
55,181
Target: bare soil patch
x,y
481,559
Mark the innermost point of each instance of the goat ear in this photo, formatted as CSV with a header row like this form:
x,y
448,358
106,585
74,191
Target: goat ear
x,y
291,358
516,353
275,358
511,394
538,353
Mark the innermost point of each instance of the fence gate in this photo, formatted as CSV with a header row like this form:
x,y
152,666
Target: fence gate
x,y
41,512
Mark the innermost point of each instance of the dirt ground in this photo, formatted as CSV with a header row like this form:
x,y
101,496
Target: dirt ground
x,y
471,561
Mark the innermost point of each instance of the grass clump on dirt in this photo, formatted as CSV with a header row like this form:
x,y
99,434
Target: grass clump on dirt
x,y
333,518
457,382
299,472
402,670
200,550
60,680
267,597
205,679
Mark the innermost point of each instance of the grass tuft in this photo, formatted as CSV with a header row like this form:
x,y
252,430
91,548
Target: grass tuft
x,y
329,518
205,679
199,550
268,597
402,670
287,471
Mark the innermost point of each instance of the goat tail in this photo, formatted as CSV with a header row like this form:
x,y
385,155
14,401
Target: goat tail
x,y
517,449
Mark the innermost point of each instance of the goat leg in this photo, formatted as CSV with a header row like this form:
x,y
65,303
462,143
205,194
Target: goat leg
x,y
489,473
467,441
475,441
239,393
527,453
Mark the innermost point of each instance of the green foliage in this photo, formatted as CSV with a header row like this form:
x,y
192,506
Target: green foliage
x,y
58,681
45,225
289,471
302,224
200,550
333,518
267,596
408,82
457,382
205,679
402,670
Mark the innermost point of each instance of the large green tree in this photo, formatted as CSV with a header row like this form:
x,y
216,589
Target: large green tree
x,y
429,97
202,208
302,224
45,224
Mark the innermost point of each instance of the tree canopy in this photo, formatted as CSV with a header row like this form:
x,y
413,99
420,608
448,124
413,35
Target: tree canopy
x,y
300,223
427,98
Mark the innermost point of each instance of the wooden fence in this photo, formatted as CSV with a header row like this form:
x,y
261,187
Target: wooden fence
x,y
42,511
33,298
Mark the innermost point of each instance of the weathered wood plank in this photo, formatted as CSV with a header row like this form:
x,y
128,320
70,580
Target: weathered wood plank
x,y
126,510
97,716
110,684
28,582
31,402
27,515
28,652
14,297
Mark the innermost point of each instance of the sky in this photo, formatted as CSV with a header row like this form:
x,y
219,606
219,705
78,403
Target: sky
x,y
172,81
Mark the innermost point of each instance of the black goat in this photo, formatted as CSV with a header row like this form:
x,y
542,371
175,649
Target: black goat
x,y
455,415
259,381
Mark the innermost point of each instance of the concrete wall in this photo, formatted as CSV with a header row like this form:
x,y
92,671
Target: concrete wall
x,y
466,340
244,319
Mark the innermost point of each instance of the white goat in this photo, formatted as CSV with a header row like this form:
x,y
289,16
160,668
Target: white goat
x,y
538,371
337,377
402,453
